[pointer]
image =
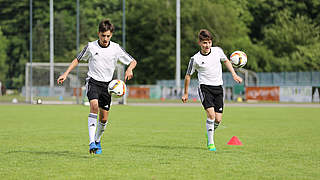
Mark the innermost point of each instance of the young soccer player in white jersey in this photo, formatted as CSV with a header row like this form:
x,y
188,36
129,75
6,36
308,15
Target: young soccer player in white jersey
x,y
207,62
102,56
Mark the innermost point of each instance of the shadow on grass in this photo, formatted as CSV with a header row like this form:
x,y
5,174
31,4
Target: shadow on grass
x,y
51,153
222,150
167,147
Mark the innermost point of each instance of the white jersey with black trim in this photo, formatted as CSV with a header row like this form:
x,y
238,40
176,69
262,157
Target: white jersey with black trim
x,y
102,61
208,66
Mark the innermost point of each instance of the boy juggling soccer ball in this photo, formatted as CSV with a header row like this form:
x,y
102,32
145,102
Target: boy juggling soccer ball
x,y
207,62
102,56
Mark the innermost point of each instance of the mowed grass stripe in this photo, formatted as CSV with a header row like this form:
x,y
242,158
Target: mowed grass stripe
x,y
147,142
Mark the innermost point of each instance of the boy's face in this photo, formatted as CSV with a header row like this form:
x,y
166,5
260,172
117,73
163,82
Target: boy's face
x,y
105,37
205,46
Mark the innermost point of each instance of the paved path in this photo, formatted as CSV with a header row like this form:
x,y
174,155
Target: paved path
x,y
230,104
190,104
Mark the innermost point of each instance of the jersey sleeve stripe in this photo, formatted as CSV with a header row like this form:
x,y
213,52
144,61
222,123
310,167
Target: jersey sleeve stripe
x,y
126,53
82,53
190,66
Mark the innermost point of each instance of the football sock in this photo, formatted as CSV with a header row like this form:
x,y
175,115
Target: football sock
x,y
210,130
92,125
216,124
100,129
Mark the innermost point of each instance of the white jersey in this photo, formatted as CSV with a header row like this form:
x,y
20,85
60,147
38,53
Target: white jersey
x,y
102,61
208,66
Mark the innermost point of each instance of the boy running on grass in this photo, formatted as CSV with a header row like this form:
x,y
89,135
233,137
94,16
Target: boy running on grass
x,y
102,56
207,62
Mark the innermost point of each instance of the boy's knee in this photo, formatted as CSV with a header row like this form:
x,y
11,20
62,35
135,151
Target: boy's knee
x,y
211,116
217,120
94,108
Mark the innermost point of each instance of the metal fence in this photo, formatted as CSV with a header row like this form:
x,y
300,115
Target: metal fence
x,y
251,79
262,79
289,79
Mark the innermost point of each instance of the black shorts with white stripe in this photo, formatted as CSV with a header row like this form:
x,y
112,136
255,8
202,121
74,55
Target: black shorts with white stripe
x,y
99,90
211,96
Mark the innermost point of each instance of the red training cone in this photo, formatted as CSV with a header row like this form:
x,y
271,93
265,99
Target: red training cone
x,y
234,141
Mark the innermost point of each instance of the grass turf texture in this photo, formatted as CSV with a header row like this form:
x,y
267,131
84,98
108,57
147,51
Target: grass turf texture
x,y
51,142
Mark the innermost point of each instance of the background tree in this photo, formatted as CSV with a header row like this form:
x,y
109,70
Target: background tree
x,y
276,35
151,39
14,24
229,29
40,43
3,57
291,39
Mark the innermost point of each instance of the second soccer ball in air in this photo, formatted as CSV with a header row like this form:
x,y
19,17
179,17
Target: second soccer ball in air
x,y
238,59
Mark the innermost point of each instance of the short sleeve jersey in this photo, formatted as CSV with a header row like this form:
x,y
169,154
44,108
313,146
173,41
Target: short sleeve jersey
x,y
208,66
102,61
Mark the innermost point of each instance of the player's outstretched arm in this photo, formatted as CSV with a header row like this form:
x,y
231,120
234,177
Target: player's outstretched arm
x,y
186,88
129,71
63,77
235,77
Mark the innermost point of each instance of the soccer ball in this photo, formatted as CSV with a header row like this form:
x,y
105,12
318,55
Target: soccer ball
x,y
238,59
39,101
117,87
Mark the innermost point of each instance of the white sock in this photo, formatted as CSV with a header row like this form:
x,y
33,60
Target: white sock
x,y
92,125
210,130
100,129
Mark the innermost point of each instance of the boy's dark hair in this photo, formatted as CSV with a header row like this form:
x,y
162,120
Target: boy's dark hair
x,y
105,25
205,35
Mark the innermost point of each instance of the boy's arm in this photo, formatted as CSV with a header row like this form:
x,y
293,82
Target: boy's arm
x,y
236,78
186,88
63,77
129,73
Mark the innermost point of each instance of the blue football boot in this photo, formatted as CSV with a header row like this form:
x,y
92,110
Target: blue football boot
x,y
99,150
93,148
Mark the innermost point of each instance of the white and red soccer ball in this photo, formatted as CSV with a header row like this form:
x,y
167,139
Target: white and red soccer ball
x,y
238,59
117,87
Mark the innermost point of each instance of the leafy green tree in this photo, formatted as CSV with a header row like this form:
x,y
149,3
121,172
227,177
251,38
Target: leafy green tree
x,y
92,12
291,39
225,19
40,43
277,35
264,13
3,57
14,24
151,39
64,38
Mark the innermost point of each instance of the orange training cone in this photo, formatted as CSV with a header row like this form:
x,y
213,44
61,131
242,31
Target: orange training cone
x,y
234,141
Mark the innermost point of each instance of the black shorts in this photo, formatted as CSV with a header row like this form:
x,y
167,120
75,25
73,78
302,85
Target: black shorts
x,y
211,96
98,90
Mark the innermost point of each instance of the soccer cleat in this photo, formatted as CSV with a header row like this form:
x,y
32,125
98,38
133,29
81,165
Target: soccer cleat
x,y
92,148
99,150
211,147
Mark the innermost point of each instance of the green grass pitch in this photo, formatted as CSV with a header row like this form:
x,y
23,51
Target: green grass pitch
x,y
148,142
